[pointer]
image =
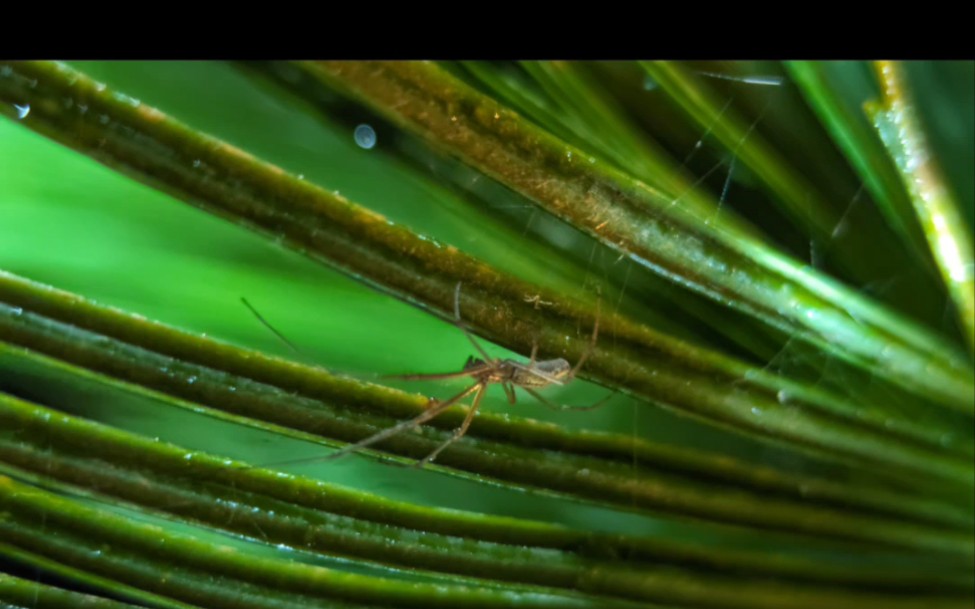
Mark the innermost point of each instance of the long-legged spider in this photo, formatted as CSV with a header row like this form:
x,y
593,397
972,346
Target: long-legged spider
x,y
509,373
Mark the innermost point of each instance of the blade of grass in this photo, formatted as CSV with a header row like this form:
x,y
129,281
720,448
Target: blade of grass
x,y
24,593
69,573
935,209
575,109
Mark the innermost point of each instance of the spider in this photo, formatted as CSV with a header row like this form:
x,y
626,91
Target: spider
x,y
485,371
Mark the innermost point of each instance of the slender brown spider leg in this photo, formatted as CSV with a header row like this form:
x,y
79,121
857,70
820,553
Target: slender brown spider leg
x,y
592,342
509,392
460,431
435,409
432,411
544,400
460,324
472,371
268,325
531,360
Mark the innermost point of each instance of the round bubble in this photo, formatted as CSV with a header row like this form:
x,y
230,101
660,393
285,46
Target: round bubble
x,y
365,136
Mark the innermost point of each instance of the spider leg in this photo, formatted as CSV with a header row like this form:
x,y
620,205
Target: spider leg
x,y
473,370
592,342
460,431
460,324
427,414
509,392
547,402
268,325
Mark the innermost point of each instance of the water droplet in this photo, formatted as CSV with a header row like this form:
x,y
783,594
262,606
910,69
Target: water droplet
x,y
782,396
756,411
191,380
197,163
365,136
16,310
22,111
649,84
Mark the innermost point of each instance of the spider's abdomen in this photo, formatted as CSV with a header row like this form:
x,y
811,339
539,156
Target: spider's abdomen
x,y
542,374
